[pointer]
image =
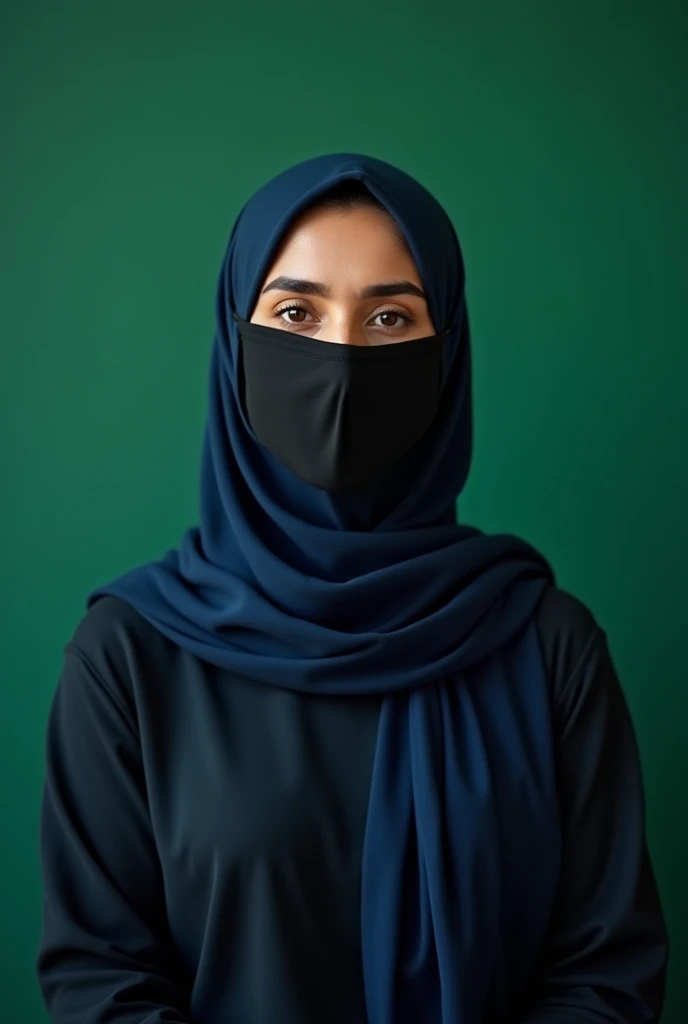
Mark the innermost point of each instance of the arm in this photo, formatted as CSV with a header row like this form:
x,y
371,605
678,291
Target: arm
x,y
105,954
605,957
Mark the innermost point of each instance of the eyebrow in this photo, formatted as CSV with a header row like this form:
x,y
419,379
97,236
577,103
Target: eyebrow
x,y
296,284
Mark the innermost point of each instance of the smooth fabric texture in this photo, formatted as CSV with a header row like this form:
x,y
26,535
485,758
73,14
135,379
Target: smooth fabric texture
x,y
338,415
202,839
378,591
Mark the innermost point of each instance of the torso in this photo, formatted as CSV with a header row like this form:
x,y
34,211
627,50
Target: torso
x,y
258,799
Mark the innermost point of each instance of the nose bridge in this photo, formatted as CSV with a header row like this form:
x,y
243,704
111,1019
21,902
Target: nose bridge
x,y
345,327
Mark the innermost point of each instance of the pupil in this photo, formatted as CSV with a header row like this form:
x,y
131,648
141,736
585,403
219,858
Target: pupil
x,y
293,312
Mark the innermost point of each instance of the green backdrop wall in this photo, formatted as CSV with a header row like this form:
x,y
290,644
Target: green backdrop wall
x,y
555,135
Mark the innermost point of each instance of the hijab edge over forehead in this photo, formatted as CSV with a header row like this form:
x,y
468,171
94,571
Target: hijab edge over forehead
x,y
360,168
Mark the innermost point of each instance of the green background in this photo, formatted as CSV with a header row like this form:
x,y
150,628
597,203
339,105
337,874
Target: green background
x,y
554,134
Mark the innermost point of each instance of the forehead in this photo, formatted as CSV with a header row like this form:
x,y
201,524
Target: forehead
x,y
353,242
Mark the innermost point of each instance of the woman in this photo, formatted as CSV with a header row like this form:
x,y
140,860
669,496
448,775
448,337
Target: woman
x,y
338,758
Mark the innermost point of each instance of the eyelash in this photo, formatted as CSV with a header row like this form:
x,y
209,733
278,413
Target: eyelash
x,y
409,320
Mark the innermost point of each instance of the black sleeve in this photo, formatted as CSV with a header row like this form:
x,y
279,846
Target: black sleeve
x,y
605,955
104,954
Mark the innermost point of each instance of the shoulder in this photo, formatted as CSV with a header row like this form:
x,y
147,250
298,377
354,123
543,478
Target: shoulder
x,y
111,644
566,626
572,642
112,631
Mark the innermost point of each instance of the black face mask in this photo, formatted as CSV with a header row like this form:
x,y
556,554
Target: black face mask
x,y
338,415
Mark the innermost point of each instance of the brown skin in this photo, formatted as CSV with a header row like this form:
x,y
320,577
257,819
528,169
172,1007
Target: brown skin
x,y
346,251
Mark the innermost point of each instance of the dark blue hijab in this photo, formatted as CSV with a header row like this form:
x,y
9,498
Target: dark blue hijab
x,y
377,591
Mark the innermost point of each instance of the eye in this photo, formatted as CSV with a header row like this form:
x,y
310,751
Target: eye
x,y
394,314
289,310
